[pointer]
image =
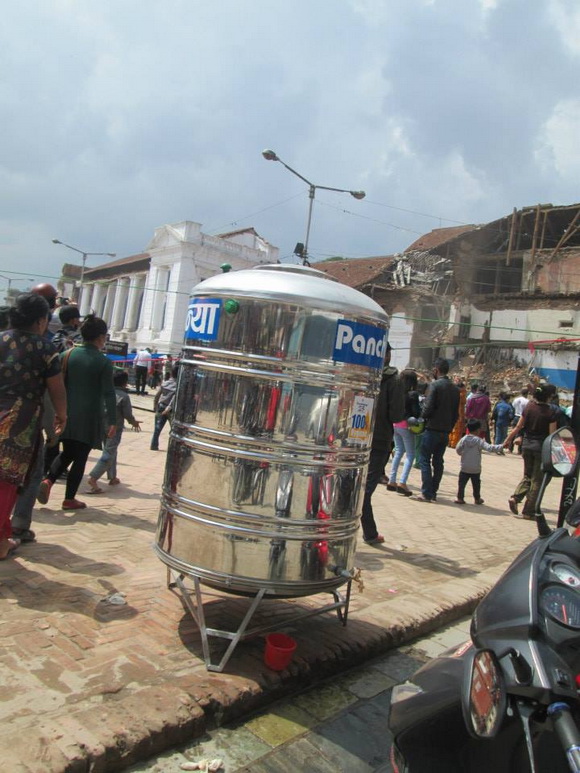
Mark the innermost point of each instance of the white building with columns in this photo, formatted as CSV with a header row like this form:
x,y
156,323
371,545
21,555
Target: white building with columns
x,y
144,297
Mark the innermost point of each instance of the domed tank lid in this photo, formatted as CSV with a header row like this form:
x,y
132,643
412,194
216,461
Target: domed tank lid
x,y
294,269
289,283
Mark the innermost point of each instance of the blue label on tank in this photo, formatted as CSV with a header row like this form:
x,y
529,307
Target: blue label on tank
x,y
360,344
203,319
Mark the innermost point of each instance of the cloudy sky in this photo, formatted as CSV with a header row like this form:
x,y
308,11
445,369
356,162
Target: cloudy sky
x,y
122,115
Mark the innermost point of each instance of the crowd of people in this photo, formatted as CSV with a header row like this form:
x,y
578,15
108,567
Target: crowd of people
x,y
60,398
426,417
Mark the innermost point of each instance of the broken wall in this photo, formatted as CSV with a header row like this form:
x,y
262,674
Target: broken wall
x,y
525,325
561,274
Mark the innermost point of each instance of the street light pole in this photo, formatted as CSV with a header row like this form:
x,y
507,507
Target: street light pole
x,y
85,256
270,155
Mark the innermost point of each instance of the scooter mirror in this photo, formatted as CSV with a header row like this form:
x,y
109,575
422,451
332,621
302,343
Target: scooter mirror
x,y
484,698
559,453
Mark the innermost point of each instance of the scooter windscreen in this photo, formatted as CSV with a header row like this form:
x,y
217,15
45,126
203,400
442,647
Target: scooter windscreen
x,y
515,605
507,609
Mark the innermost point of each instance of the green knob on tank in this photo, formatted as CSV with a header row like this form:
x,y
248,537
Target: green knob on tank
x,y
231,306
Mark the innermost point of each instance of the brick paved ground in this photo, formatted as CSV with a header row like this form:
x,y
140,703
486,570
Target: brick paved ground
x,y
87,685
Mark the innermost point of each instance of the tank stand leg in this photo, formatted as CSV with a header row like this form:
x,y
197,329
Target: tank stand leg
x,y
197,612
343,603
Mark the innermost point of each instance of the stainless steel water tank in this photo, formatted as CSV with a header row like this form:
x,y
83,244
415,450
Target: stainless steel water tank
x,y
271,431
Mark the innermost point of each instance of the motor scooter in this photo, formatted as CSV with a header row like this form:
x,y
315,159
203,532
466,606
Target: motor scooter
x,y
508,700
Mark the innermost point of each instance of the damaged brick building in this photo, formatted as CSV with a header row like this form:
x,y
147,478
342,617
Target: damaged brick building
x,y
509,289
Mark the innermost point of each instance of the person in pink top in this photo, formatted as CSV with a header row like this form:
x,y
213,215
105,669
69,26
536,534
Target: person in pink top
x,y
478,407
404,438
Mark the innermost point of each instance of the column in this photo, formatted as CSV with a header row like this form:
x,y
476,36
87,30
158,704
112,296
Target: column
x,y
159,298
85,299
119,307
134,300
148,301
109,302
97,299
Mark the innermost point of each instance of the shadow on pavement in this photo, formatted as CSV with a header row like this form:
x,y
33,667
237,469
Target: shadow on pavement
x,y
61,558
313,636
92,515
33,590
123,491
471,507
435,563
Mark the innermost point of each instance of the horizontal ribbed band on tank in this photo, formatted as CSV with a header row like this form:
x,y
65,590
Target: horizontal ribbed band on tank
x,y
342,458
287,370
233,521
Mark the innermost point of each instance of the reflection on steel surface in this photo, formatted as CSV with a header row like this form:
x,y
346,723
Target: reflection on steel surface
x,y
264,471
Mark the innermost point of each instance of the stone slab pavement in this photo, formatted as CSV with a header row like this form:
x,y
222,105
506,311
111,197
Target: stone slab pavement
x,y
87,685
337,726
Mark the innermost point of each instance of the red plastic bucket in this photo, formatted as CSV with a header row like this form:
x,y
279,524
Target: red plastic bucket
x,y
279,651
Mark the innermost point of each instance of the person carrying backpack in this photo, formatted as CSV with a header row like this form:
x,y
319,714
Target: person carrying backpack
x,y
502,416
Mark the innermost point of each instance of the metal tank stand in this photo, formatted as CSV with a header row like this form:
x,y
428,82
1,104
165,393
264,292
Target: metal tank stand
x,y
193,600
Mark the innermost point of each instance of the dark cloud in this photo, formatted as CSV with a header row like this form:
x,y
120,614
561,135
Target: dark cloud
x,y
120,117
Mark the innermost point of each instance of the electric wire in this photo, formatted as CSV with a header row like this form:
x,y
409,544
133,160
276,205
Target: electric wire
x,y
407,317
547,237
254,214
470,324
413,212
288,256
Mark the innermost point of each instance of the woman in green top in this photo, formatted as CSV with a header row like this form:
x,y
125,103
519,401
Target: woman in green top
x,y
88,377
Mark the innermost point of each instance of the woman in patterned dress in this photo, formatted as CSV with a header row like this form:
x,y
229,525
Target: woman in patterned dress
x,y
29,365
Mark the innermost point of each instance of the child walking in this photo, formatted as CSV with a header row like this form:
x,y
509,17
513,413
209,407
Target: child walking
x,y
108,461
469,449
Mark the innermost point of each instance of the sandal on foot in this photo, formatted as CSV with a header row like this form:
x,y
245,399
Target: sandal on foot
x,y
114,482
24,535
93,486
513,505
459,501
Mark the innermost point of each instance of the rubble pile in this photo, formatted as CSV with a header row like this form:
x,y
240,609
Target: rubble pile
x,y
500,376
505,376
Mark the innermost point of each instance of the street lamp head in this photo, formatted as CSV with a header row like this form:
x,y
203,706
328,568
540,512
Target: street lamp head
x,y
112,254
56,241
358,194
269,155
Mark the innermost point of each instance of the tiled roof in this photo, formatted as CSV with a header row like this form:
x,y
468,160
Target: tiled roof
x,y
131,263
356,272
439,236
